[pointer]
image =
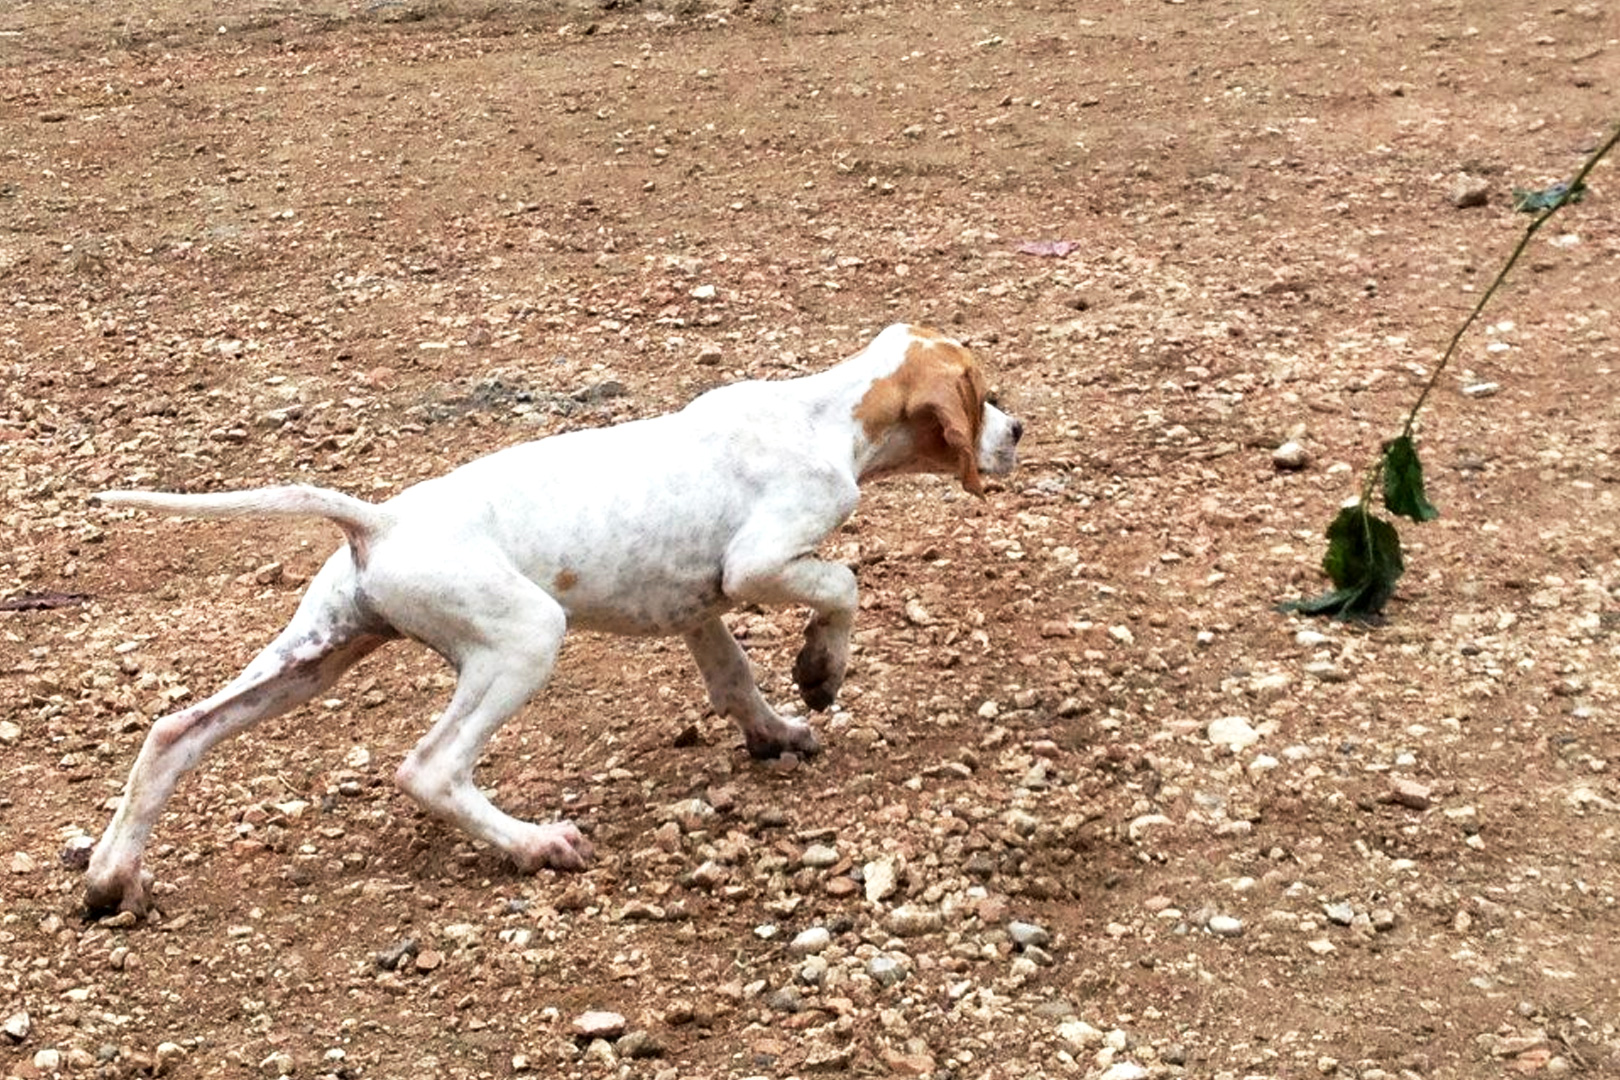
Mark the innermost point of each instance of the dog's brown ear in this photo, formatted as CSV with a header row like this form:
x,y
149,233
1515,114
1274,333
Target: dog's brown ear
x,y
952,397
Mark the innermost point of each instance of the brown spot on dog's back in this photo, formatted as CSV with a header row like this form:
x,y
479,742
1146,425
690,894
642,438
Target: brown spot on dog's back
x,y
565,580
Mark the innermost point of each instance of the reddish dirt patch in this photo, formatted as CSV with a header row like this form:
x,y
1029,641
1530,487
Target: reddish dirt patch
x,y
356,244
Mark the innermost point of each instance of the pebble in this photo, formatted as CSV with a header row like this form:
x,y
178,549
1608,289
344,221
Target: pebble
x,y
1410,794
1326,671
819,856
813,972
1290,457
1079,1035
599,1025
1340,912
1124,1070
1233,731
1482,390
910,921
48,1060
17,1026
785,1000
1225,925
885,971
882,877
1468,191
429,960
278,1064
810,941
639,1044
390,958
1026,935
9,733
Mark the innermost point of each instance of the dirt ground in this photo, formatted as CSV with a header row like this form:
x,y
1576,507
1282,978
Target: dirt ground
x,y
356,243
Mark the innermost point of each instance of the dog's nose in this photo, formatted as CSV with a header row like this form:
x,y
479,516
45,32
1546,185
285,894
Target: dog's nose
x,y
1017,430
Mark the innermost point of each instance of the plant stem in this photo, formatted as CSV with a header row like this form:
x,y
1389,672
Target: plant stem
x,y
1524,242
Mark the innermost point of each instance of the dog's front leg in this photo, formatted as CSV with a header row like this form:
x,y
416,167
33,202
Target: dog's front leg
x,y
757,573
733,693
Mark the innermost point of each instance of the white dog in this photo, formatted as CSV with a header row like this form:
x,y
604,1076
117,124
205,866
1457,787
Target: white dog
x,y
650,527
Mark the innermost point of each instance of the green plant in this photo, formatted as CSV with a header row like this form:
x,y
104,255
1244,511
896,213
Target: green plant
x,y
1364,559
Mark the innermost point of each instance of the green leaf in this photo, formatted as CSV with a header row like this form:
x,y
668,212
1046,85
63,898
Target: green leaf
x,y
1363,560
1533,201
1403,482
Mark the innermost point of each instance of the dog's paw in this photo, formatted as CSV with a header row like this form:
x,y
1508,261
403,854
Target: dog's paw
x,y
783,738
558,845
114,893
817,671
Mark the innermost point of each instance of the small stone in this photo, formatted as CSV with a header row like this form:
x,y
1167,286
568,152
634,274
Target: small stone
x,y
166,1056
17,1026
908,1064
785,1000
813,972
1174,1054
811,941
279,1063
1339,912
1028,935
639,1044
1410,794
1232,731
1079,1036
269,573
10,733
881,877
1468,191
819,856
48,1060
390,958
1326,671
1383,920
1482,390
885,971
1290,457
908,920
23,863
599,1025
1124,1070
1225,925
429,960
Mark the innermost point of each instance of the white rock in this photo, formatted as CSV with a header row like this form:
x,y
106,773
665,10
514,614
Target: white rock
x,y
1225,925
599,1025
882,877
1233,731
1079,1035
909,921
1141,824
1290,457
810,941
17,1026
1124,1070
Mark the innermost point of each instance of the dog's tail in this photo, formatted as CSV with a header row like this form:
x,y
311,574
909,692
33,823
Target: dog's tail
x,y
360,521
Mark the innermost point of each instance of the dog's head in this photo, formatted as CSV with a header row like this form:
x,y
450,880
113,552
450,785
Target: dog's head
x,y
934,412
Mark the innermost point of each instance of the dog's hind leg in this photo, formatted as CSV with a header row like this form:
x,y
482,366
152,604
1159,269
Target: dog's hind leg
x,y
327,635
505,645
